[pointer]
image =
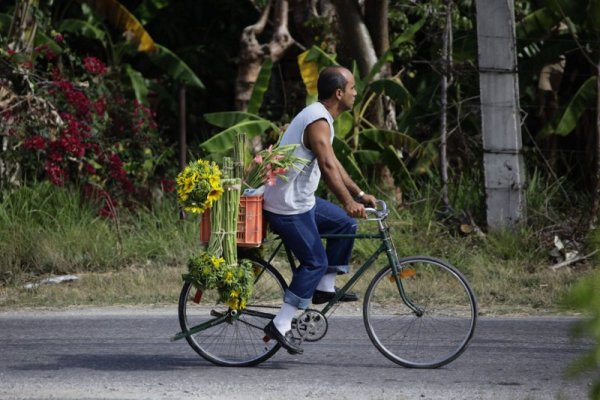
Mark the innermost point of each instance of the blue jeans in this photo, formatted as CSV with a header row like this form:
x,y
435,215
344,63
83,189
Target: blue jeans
x,y
300,233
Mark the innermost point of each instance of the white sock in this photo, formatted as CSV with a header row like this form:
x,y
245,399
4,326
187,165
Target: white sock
x,y
283,319
327,283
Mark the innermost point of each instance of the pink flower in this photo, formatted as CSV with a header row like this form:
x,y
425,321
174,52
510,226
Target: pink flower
x,y
258,159
271,178
270,149
280,171
94,66
36,142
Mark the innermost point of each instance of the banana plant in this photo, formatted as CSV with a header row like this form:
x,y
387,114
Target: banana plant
x,y
137,38
358,143
235,122
576,24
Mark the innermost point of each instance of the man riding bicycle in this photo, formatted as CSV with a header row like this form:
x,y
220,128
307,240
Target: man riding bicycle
x,y
299,217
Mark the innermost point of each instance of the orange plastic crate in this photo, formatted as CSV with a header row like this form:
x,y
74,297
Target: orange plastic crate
x,y
251,226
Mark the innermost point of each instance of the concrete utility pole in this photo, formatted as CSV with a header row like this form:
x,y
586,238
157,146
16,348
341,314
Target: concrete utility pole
x,y
500,118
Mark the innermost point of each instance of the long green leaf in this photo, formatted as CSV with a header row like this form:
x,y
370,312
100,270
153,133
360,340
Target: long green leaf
x,y
393,88
120,17
408,34
538,24
383,137
367,157
175,67
344,154
224,140
138,83
343,124
229,118
42,38
83,28
582,100
260,86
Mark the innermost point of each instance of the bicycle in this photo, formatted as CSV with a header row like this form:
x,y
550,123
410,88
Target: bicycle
x,y
419,311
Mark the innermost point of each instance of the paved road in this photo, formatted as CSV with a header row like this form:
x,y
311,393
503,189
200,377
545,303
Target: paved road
x,y
126,354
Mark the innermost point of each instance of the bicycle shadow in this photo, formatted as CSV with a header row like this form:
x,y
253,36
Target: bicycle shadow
x,y
128,362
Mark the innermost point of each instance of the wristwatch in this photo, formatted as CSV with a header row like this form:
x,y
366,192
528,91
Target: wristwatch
x,y
360,195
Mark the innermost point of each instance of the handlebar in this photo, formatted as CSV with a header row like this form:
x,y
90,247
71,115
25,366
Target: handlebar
x,y
380,212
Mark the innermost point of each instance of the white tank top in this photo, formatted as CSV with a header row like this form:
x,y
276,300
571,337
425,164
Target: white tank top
x,y
297,195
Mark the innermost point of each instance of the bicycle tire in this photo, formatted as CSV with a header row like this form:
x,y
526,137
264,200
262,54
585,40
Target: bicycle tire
x,y
447,308
237,341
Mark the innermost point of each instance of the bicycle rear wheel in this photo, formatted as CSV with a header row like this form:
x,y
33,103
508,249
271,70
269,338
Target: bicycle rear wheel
x,y
432,324
227,337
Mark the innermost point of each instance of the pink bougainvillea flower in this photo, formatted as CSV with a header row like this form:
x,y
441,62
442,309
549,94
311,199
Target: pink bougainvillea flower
x,y
94,66
258,159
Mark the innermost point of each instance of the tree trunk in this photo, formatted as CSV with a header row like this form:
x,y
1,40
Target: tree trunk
x,y
355,32
253,53
376,18
446,64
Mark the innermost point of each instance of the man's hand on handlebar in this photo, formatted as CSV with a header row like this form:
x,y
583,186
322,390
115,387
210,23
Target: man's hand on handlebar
x,y
355,209
368,200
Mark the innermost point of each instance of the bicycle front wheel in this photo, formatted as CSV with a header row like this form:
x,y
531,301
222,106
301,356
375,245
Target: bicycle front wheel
x,y
427,320
229,337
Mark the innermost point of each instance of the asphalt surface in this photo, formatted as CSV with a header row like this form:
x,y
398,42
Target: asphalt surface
x,y
127,354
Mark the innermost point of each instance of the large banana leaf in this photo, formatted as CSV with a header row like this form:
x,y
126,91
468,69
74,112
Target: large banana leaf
x,y
175,67
344,153
229,118
394,89
138,83
309,71
42,38
310,63
224,140
83,28
343,124
367,157
383,138
117,15
260,86
580,102
538,24
408,34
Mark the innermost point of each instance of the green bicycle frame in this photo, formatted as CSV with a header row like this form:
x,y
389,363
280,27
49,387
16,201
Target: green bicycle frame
x,y
386,246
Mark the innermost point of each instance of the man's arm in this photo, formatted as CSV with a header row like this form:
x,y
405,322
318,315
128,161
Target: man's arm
x,y
353,188
318,140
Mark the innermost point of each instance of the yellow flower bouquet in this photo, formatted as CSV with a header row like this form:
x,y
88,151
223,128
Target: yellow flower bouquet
x,y
233,282
199,186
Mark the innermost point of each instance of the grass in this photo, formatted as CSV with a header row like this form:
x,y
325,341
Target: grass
x,y
138,258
